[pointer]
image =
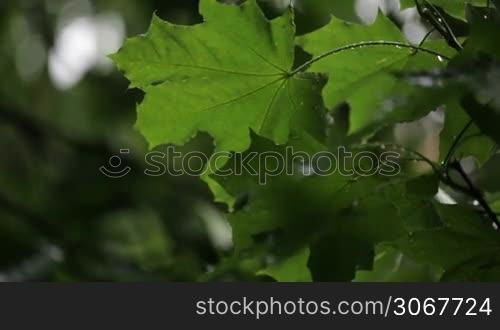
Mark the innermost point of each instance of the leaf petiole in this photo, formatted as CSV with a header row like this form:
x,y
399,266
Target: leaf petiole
x,y
364,44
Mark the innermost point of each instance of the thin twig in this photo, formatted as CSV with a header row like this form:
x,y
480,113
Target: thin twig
x,y
455,143
474,192
439,23
364,44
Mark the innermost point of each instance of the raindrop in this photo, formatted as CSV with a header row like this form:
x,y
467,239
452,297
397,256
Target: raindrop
x,y
440,59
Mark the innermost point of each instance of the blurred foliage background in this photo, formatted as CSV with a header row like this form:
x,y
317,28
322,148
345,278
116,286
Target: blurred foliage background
x,y
65,110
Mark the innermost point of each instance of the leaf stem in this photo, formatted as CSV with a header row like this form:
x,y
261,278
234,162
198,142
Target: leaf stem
x,y
455,143
364,44
474,192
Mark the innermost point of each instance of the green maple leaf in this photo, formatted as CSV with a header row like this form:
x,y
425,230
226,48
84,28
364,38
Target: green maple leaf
x,y
339,218
362,69
464,244
226,76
